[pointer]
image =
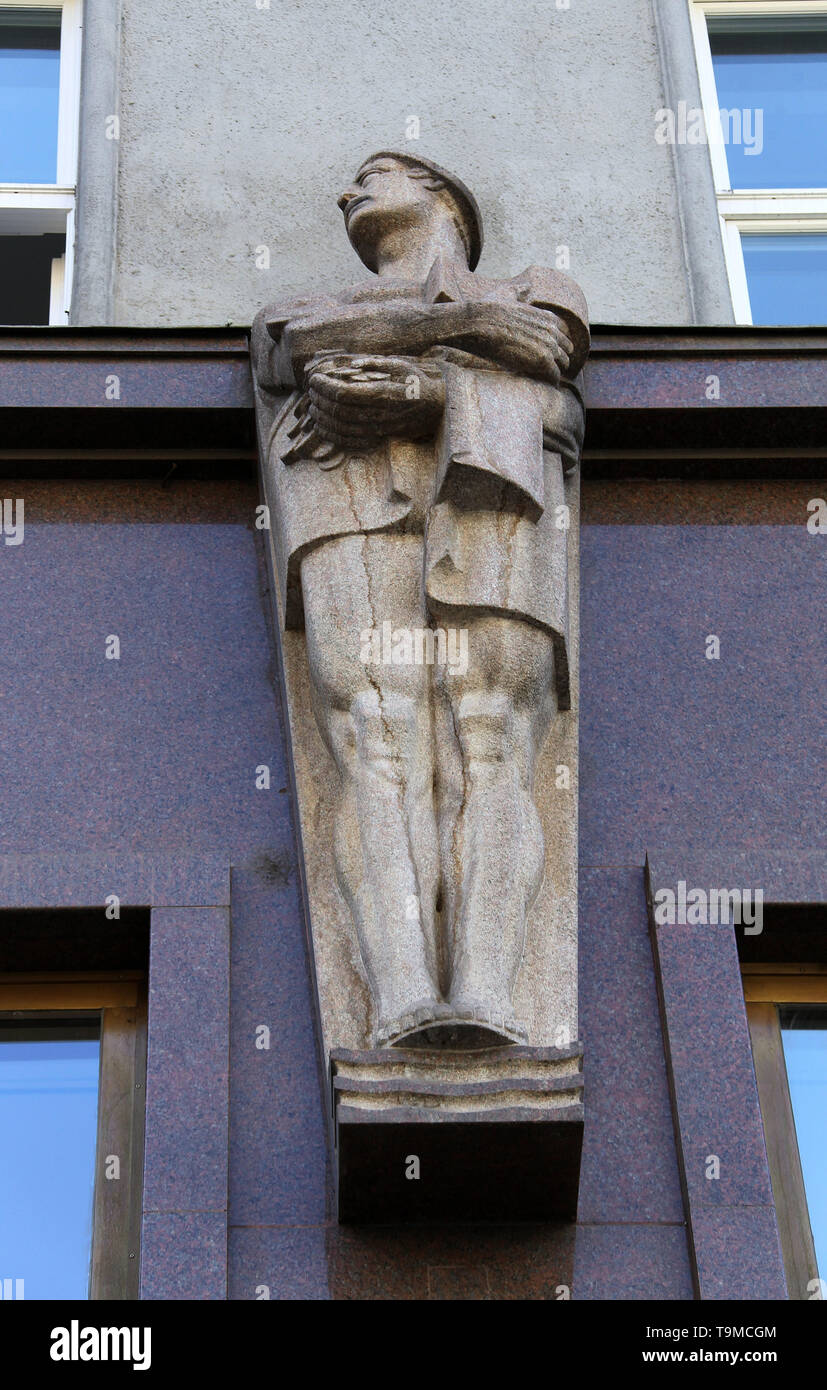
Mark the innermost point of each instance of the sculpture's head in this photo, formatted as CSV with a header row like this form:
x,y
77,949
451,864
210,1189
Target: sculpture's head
x,y
400,192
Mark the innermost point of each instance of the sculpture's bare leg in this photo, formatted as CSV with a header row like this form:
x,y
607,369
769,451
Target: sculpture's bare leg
x,y
377,722
450,785
501,708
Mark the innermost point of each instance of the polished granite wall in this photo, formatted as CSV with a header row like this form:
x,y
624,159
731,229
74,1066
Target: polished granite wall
x,y
157,753
704,757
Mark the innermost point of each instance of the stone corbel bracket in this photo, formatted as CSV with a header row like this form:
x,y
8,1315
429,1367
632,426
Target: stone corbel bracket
x,y
424,1136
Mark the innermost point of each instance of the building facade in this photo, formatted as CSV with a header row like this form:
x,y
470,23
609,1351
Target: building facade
x,y
152,884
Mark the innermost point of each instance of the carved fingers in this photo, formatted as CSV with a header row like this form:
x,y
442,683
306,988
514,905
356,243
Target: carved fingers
x,y
524,338
358,400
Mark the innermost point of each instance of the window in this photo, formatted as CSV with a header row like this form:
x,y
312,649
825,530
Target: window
x,y
39,99
48,1103
787,1013
72,1062
786,275
763,75
804,1038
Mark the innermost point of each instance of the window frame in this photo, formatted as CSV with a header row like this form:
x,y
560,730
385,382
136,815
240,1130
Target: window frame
x,y
767,989
120,1000
49,207
755,210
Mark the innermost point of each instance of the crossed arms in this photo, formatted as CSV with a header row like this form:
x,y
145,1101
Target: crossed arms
x,y
387,383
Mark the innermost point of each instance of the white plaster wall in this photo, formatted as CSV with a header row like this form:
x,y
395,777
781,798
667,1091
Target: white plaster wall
x,y
239,125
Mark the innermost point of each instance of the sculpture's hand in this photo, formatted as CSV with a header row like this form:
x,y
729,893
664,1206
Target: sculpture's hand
x,y
519,336
357,400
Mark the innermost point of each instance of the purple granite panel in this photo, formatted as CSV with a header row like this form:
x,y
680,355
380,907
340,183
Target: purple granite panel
x,y
782,878
680,750
650,379
141,772
712,1071
139,880
278,1262
278,1147
157,750
632,1262
530,1261
192,381
738,1254
733,1224
403,1263
137,500
184,1256
629,1170
685,502
187,1069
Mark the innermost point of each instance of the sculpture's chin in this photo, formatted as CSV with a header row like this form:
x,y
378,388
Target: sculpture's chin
x,y
363,233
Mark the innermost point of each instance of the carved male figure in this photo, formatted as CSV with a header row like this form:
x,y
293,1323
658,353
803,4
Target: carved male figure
x,y
418,471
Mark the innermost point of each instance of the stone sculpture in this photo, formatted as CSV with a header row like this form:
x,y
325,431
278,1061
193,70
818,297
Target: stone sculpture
x,y
415,477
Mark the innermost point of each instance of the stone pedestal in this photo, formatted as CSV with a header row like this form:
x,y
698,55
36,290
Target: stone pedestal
x,y
431,1136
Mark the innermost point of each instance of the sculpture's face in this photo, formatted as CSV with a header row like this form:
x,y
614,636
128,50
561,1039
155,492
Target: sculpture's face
x,y
383,195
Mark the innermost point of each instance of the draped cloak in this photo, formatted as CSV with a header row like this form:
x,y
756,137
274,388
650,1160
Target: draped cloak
x,y
493,508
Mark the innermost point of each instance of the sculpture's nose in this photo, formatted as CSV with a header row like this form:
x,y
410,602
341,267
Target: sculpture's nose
x,y
348,196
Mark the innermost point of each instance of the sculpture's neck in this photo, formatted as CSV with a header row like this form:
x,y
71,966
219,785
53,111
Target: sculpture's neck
x,y
402,255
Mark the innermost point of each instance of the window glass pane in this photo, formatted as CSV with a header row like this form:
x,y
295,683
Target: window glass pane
x,y
29,81
787,277
774,87
48,1122
804,1035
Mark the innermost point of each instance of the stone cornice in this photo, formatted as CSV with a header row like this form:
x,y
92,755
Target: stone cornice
x,y
187,393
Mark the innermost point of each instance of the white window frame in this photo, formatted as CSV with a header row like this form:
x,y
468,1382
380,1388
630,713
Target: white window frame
x,y
775,210
34,208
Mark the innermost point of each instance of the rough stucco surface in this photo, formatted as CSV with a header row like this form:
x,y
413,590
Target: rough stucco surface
x,y
238,130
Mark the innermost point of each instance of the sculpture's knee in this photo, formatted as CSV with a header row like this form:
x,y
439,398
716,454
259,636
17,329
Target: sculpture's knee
x,y
386,727
485,724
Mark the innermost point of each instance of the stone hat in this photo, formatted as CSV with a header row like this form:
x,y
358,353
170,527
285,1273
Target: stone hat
x,y
471,214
